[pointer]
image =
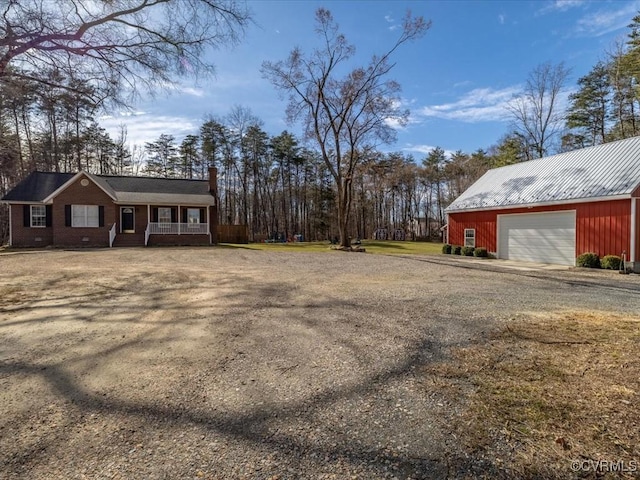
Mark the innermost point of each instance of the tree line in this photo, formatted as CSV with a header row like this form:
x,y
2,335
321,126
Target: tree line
x,y
281,185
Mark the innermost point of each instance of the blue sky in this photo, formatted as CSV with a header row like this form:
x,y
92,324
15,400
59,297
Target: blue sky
x,y
455,80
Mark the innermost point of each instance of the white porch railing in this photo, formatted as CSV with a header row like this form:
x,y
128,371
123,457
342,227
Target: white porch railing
x,y
112,235
156,228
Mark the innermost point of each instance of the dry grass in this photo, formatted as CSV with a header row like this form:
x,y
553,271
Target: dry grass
x,y
387,247
550,389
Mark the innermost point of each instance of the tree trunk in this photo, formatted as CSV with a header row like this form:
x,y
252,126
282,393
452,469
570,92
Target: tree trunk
x,y
344,207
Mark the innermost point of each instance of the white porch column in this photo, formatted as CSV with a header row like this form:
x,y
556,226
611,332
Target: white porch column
x,y
148,215
179,219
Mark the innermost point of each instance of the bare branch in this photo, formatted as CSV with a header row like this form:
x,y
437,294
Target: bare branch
x,y
343,115
148,41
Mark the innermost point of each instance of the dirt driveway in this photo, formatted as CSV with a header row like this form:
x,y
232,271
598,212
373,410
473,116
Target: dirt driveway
x,y
232,363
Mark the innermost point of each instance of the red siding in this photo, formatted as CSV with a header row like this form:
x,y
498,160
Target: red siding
x,y
601,227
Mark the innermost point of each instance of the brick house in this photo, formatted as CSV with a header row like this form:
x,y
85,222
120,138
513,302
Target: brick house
x,y
553,209
83,209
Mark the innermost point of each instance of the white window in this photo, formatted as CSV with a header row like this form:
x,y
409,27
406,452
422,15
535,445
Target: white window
x,y
193,216
469,237
85,216
164,215
38,216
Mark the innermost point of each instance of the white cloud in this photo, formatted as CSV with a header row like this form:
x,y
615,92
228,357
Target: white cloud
x,y
393,123
425,150
464,83
194,92
502,18
606,21
393,25
478,105
560,6
145,127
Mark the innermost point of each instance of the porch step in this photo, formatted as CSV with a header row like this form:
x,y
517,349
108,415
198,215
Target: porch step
x,y
129,240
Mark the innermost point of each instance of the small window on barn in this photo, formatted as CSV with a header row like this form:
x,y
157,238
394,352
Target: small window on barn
x,y
469,237
164,215
38,216
85,216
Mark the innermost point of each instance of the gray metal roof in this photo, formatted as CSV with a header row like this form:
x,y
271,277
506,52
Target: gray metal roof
x,y
607,170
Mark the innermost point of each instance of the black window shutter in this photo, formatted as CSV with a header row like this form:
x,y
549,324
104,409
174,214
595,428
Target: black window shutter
x,y
49,213
174,215
67,215
203,212
101,216
154,214
184,215
26,215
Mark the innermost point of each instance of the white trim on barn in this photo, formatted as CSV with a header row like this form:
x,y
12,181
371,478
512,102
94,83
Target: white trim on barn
x,y
634,230
544,204
545,237
10,229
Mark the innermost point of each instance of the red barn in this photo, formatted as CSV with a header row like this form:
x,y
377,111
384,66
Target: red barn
x,y
555,208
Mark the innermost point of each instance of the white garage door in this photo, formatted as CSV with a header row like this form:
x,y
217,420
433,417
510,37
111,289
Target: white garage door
x,y
538,237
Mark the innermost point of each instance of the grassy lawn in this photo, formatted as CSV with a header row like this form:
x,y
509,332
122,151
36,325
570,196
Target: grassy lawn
x,y
371,246
548,390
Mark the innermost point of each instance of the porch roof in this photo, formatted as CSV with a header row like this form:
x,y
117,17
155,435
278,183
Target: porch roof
x,y
163,191
149,198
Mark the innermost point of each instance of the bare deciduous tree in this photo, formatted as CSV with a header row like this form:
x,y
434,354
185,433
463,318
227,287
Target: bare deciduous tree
x,y
537,114
343,115
116,45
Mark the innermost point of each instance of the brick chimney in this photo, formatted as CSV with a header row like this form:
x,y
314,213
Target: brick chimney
x,y
213,181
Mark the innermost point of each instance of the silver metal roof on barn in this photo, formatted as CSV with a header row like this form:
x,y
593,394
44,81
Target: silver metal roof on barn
x,y
599,172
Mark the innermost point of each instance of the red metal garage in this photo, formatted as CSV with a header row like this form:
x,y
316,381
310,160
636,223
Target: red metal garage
x,y
555,208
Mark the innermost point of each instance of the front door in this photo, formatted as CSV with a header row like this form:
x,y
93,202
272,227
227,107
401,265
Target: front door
x,y
127,220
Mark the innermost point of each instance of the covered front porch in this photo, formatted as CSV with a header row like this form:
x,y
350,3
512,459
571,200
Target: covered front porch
x,y
162,225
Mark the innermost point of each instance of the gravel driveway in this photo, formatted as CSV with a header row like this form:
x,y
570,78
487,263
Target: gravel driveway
x,y
233,363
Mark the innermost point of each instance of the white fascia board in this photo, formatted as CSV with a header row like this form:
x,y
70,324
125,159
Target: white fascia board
x,y
625,196
68,183
634,229
168,204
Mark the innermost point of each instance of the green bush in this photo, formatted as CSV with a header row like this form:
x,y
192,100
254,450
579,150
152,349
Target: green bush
x,y
588,260
446,248
481,252
456,249
467,251
611,262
